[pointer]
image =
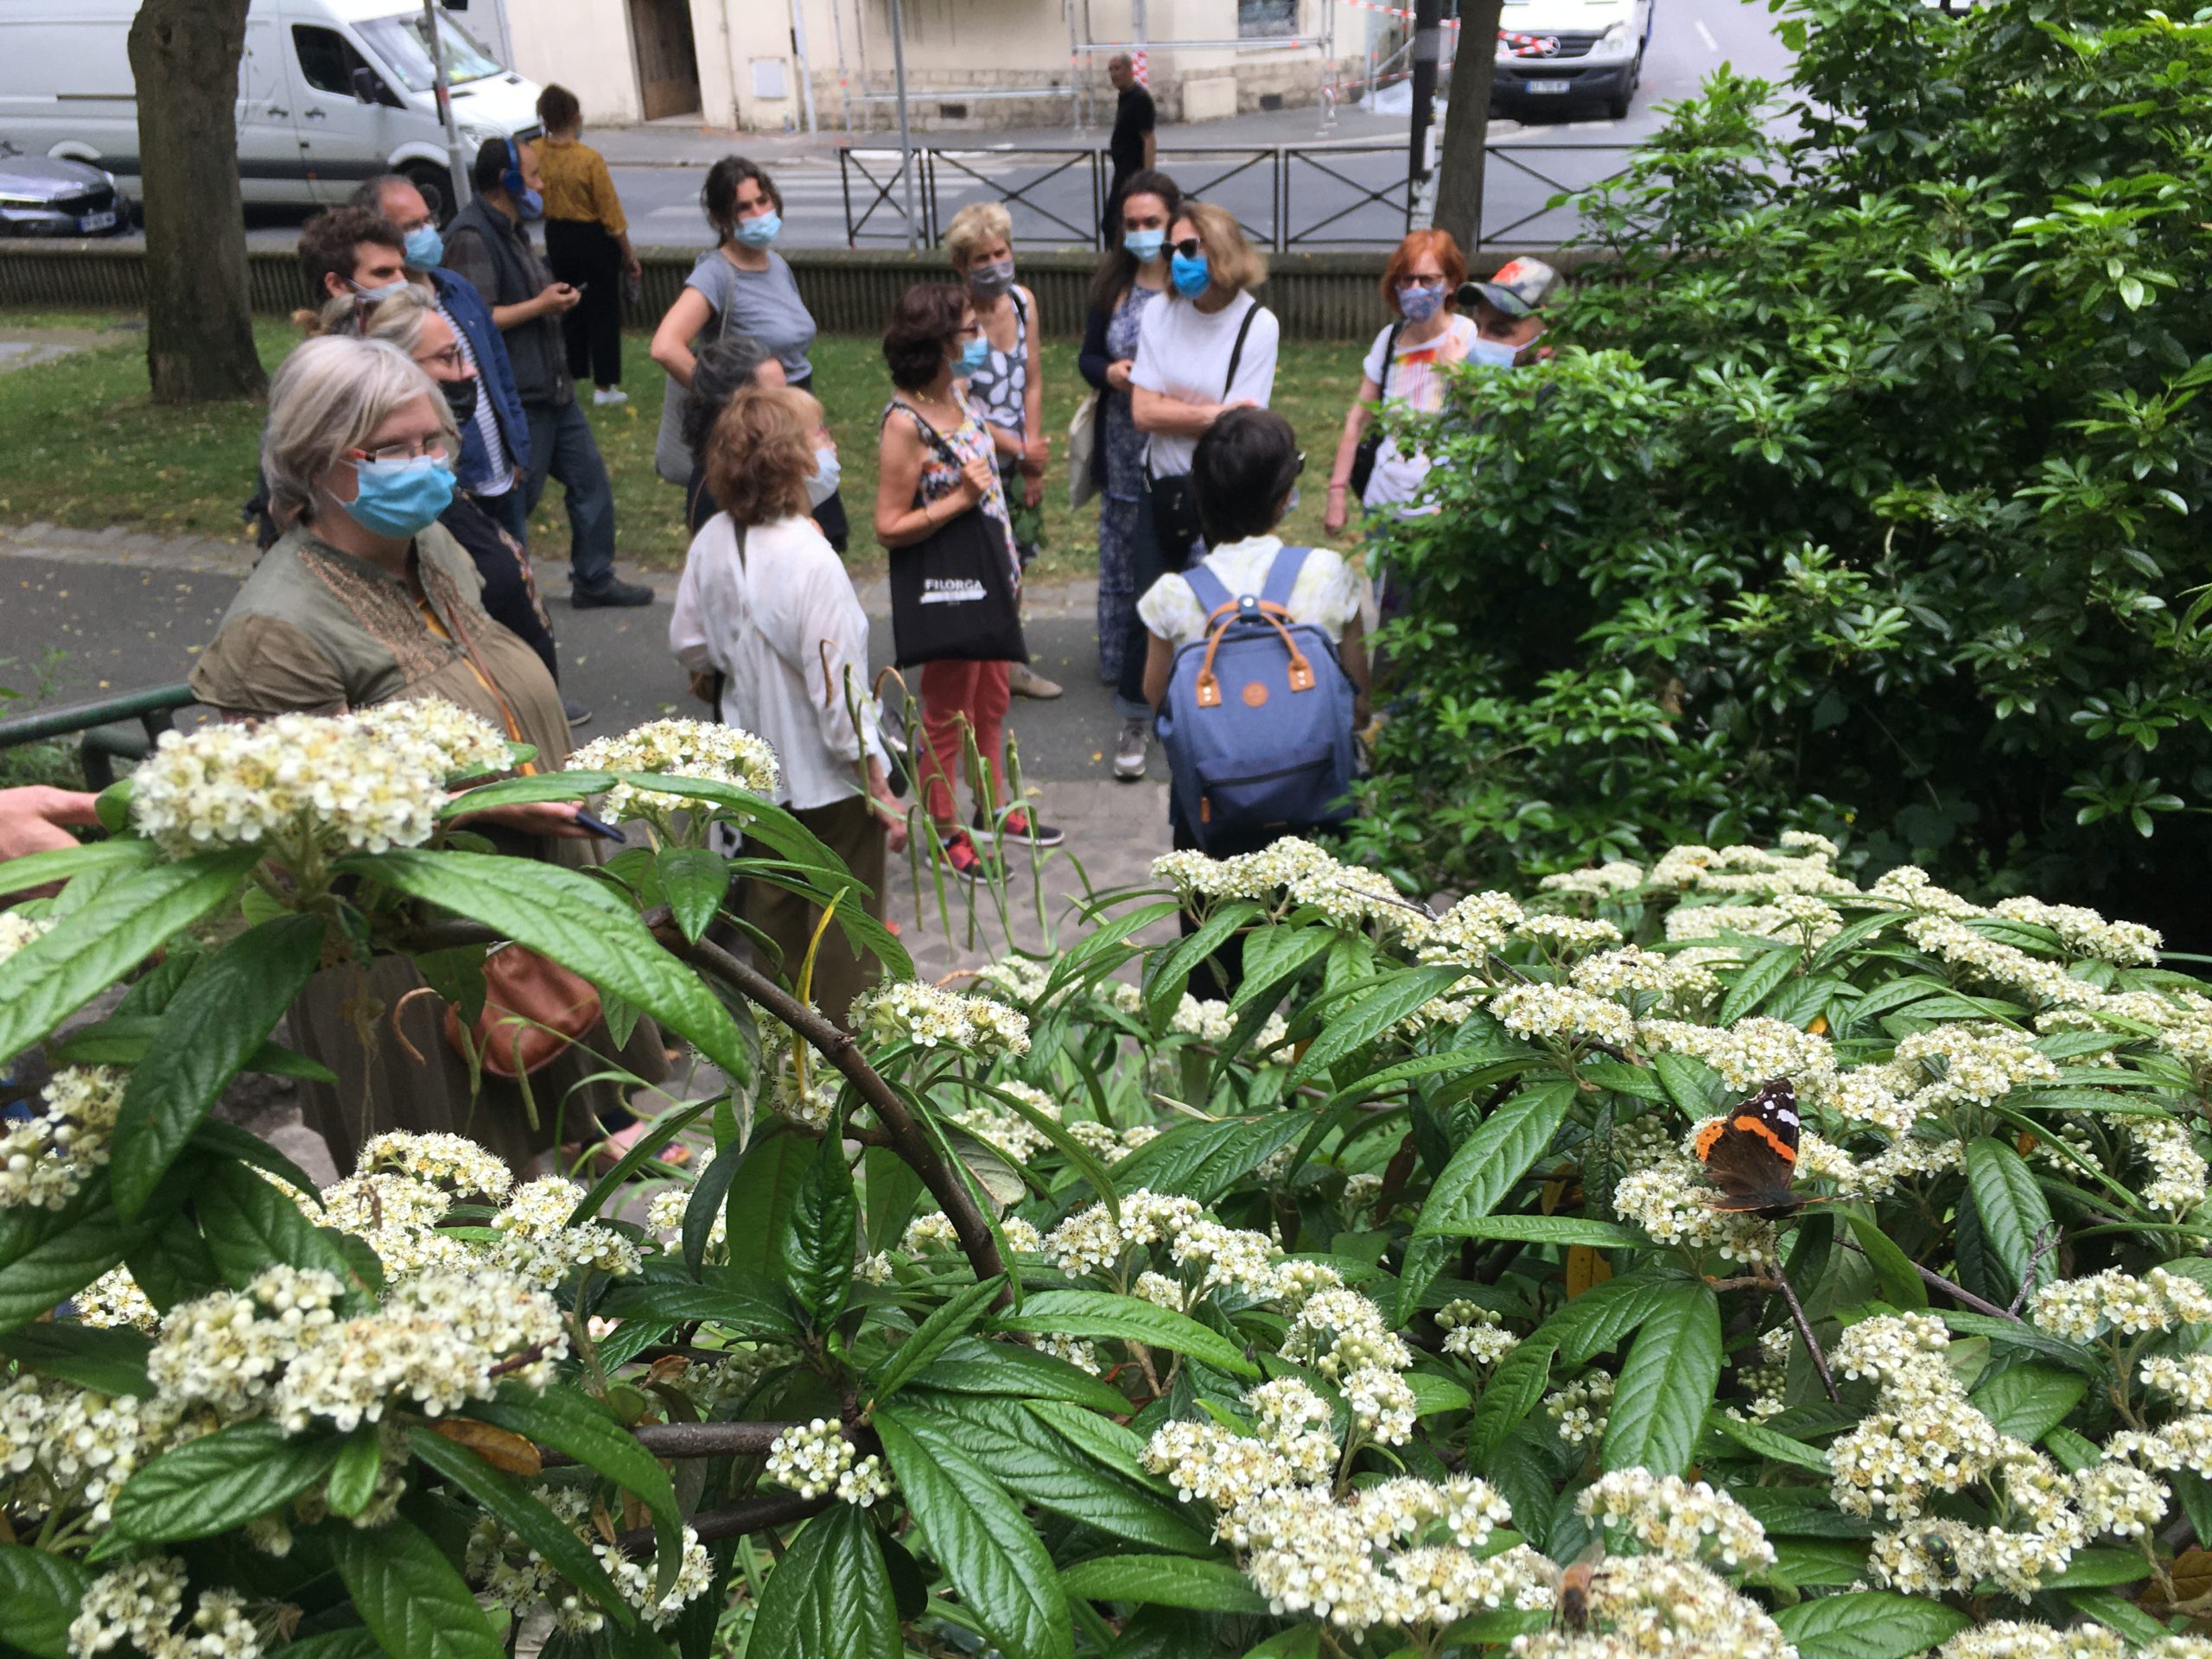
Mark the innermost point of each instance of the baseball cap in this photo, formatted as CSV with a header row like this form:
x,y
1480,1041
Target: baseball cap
x,y
1519,288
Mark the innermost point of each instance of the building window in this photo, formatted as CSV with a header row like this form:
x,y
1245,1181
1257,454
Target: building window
x,y
1263,19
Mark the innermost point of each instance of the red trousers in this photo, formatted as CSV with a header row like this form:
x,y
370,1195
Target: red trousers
x,y
957,698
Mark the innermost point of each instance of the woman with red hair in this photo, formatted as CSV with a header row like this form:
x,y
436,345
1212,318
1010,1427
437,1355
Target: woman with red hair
x,y
1424,334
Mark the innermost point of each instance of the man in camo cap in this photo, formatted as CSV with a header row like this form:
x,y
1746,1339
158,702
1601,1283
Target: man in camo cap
x,y
1507,310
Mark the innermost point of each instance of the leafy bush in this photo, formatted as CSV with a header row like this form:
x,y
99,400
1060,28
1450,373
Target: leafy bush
x,y
1072,1314
1861,495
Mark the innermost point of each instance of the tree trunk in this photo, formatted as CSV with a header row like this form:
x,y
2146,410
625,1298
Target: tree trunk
x,y
1466,124
184,57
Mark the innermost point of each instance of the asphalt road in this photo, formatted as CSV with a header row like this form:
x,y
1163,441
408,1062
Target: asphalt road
x,y
1320,200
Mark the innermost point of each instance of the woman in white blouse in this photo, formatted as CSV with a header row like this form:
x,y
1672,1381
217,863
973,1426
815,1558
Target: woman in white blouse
x,y
766,607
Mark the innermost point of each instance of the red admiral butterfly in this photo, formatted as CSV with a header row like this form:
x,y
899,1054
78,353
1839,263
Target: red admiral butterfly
x,y
1751,1154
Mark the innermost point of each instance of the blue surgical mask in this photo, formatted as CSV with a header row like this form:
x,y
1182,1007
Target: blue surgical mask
x,y
757,233
827,473
1190,276
1420,301
973,357
400,498
1491,353
532,206
375,296
1145,245
426,249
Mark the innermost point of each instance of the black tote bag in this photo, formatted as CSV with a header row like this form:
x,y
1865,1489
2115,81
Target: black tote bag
x,y
952,594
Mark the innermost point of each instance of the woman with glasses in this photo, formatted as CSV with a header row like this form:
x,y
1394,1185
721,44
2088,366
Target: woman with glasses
x,y
411,320
1132,277
743,286
934,462
1207,347
363,601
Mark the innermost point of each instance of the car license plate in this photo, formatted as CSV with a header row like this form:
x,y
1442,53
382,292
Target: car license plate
x,y
97,221
1548,86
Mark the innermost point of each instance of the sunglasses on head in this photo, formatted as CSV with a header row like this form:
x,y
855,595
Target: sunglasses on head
x,y
1190,247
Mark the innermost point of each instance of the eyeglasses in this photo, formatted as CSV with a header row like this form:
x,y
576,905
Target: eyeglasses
x,y
418,449
450,359
1190,247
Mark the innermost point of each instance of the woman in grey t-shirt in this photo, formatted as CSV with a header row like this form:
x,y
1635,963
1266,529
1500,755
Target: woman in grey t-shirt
x,y
743,286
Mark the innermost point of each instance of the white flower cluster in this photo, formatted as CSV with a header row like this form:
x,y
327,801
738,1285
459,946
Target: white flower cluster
x,y
2085,933
2084,1309
139,1603
63,1448
460,741
537,1242
679,748
1343,1335
45,1160
1579,1410
814,1458
1563,1013
1092,1241
1924,1436
453,1159
1668,1515
1296,874
1657,1604
2186,1378
1607,881
2178,1170
635,1579
1671,1200
514,1576
295,784
1474,1333
1563,935
114,1298
17,930
439,1340
907,1010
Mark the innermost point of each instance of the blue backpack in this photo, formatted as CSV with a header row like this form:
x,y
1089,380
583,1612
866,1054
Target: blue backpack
x,y
1257,724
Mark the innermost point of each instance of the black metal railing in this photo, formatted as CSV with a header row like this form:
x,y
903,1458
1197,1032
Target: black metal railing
x,y
105,728
1286,196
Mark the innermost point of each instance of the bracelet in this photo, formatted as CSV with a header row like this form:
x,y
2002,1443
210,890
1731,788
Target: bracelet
x,y
1338,488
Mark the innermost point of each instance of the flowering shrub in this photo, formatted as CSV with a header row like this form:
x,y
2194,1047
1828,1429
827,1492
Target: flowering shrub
x,y
1383,1308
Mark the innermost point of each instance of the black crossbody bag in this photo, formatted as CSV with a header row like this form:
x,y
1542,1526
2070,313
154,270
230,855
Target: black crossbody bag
x,y
1174,503
1371,442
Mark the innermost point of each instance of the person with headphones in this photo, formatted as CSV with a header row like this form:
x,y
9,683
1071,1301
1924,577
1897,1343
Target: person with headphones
x,y
488,242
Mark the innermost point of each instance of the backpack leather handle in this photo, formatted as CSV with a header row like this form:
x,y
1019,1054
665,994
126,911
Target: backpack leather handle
x,y
1208,684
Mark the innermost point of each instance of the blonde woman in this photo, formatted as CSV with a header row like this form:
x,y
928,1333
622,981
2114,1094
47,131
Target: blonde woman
x,y
1009,389
1207,347
765,605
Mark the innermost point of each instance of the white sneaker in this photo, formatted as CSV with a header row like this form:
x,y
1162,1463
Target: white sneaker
x,y
1130,750
607,396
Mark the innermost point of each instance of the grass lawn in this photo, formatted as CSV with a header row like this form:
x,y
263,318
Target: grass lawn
x,y
80,445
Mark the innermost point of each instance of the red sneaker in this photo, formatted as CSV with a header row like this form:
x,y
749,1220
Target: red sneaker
x,y
966,862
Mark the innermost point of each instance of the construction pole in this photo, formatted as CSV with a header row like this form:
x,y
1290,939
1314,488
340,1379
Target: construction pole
x,y
1428,34
905,138
457,165
805,65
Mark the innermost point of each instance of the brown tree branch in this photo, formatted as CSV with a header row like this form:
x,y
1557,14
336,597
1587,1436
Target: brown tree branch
x,y
754,1514
1959,1293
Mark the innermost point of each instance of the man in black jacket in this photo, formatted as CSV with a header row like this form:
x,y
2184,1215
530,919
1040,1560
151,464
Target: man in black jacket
x,y
486,243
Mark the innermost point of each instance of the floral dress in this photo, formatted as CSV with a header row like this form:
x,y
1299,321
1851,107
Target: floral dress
x,y
941,473
1119,630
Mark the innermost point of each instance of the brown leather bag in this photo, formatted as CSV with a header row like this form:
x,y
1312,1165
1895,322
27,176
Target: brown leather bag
x,y
533,1008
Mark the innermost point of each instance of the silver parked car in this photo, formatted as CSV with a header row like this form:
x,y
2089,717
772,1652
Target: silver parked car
x,y
40,196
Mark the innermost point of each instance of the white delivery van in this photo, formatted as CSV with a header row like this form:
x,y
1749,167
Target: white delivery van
x,y
1555,53
330,93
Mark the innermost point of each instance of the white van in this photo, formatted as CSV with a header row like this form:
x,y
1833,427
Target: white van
x,y
1553,53
330,93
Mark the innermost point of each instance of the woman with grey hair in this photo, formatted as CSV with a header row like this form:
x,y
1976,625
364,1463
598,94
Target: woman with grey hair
x,y
364,600
411,320
719,372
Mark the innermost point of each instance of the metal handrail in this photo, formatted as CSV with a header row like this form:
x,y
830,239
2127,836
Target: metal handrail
x,y
100,747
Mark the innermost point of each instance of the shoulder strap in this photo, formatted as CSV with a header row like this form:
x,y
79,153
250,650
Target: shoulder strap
x,y
1236,352
1390,351
930,435
1207,588
1282,575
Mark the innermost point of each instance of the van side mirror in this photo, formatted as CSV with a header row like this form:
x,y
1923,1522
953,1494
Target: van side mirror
x,y
367,89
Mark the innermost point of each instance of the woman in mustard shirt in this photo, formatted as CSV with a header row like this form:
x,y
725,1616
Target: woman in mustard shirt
x,y
587,243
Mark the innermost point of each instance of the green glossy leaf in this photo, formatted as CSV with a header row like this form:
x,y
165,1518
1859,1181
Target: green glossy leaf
x,y
1556,1229
2016,1333
232,1002
2097,1569
1514,1389
409,1595
1272,955
820,1235
1170,975
1893,1269
51,1254
760,1199
2029,1401
106,1360
353,1478
694,882
228,1140
41,1592
1166,1582
2010,1204
1375,1012
1202,1160
1503,1148
830,1597
971,1365
979,1535
518,1509
1433,1393
1103,1313
572,1422
58,973
39,869
961,1312
709,1199
2117,1613
1767,1443
665,1128
1673,1370
127,1039
1101,1438
250,1226
1868,1624
1761,976
578,922
221,1481
1817,1563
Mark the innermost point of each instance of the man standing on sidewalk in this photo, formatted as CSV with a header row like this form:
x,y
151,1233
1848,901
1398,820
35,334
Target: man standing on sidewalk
x,y
486,243
1135,139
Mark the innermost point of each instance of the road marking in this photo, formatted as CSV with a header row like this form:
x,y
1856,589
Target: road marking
x,y
1706,34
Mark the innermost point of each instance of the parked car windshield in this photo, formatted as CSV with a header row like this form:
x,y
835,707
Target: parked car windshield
x,y
398,41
